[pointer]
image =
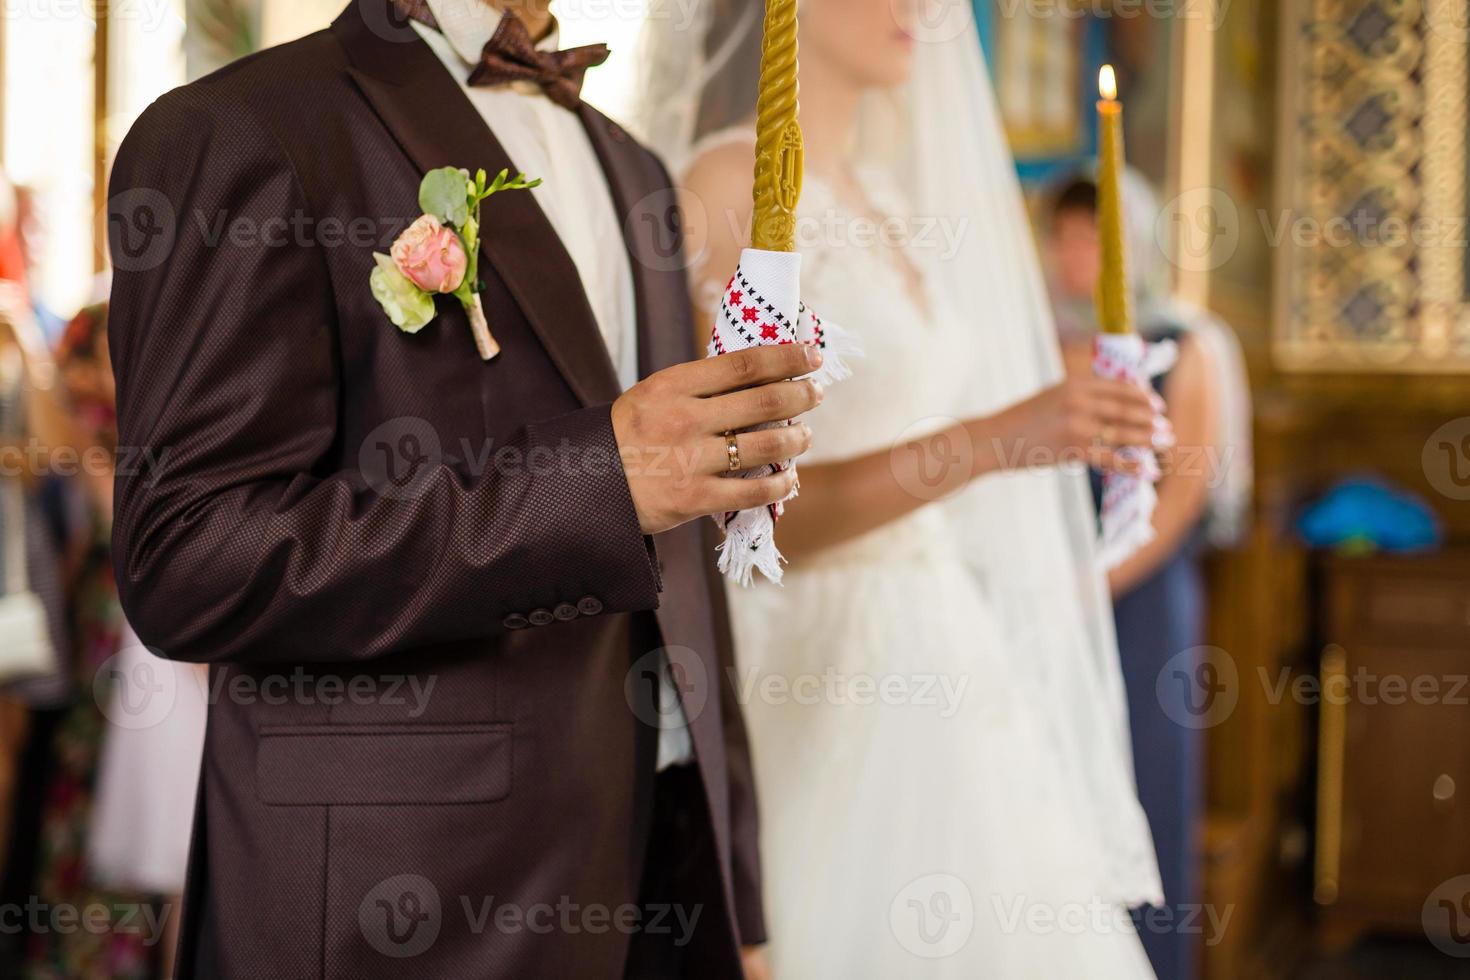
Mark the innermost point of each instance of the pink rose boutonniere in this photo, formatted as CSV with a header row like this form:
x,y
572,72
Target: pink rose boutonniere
x,y
439,254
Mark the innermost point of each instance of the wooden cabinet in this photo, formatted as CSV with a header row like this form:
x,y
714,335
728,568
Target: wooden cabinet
x,y
1393,775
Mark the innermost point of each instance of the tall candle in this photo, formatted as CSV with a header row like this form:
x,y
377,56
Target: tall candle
x,y
778,147
1114,308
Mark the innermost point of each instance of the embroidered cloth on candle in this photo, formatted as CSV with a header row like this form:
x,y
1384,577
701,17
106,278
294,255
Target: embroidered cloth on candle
x,y
761,306
1129,499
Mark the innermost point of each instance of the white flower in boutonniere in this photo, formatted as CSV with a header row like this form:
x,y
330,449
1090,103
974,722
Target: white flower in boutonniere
x,y
440,253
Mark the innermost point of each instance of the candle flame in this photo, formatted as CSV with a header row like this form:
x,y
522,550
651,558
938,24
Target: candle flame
x,y
1107,83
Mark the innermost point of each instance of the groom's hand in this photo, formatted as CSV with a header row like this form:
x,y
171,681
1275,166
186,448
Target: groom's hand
x,y
753,960
670,430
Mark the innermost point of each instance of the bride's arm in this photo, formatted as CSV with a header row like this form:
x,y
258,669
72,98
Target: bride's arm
x,y
843,500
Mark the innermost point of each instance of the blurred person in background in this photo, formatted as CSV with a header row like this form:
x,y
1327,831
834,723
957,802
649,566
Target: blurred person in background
x,y
120,792
1204,499
34,648
30,222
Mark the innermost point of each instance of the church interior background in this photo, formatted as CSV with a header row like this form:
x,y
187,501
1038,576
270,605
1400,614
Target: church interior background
x,y
1313,154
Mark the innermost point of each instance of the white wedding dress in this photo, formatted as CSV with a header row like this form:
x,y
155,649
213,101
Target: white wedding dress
x,y
936,708
916,819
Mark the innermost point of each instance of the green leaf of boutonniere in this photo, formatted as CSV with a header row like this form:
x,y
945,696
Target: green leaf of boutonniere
x,y
445,193
408,306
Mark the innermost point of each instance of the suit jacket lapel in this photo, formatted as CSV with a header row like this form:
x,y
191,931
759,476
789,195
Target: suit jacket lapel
x,y
666,337
437,126
651,234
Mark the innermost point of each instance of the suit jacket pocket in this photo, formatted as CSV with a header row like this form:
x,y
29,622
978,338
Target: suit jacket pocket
x,y
383,765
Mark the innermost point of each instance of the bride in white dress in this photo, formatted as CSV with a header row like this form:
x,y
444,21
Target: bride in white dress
x,y
934,698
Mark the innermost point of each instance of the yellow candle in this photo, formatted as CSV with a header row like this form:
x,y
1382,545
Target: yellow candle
x,y
1114,308
778,147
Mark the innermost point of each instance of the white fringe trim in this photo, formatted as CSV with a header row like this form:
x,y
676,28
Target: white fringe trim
x,y
746,550
838,348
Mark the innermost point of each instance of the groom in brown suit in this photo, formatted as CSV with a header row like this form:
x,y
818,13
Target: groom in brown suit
x,y
439,596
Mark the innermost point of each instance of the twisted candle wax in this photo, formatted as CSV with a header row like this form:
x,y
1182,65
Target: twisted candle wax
x,y
1114,309
778,147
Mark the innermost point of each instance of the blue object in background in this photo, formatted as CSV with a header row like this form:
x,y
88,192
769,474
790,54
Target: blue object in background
x,y
1366,513
1041,170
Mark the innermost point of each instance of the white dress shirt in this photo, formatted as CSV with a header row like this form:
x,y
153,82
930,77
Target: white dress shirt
x,y
547,141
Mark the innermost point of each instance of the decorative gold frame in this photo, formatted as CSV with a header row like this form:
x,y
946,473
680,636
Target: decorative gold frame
x,y
1373,126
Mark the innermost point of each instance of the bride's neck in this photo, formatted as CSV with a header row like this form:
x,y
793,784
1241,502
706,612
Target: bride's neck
x,y
829,112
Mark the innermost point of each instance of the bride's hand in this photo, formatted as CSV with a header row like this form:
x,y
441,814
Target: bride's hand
x,y
1083,418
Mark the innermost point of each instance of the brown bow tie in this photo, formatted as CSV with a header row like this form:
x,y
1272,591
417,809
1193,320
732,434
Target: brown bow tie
x,y
511,56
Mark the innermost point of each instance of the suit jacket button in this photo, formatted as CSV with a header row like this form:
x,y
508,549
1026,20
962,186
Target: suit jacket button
x,y
515,621
542,617
566,611
589,605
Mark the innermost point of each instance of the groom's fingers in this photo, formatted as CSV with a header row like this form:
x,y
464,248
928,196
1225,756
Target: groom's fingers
x,y
774,402
730,495
746,369
756,449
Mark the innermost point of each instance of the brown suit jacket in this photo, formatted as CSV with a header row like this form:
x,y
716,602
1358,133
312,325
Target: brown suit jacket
x,y
418,577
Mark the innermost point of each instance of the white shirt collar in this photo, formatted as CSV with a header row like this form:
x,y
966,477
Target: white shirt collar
x,y
468,24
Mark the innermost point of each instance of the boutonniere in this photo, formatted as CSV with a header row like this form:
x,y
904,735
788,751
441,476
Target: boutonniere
x,y
440,253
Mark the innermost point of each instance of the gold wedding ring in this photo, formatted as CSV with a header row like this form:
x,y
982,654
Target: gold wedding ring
x,y
1109,435
732,451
